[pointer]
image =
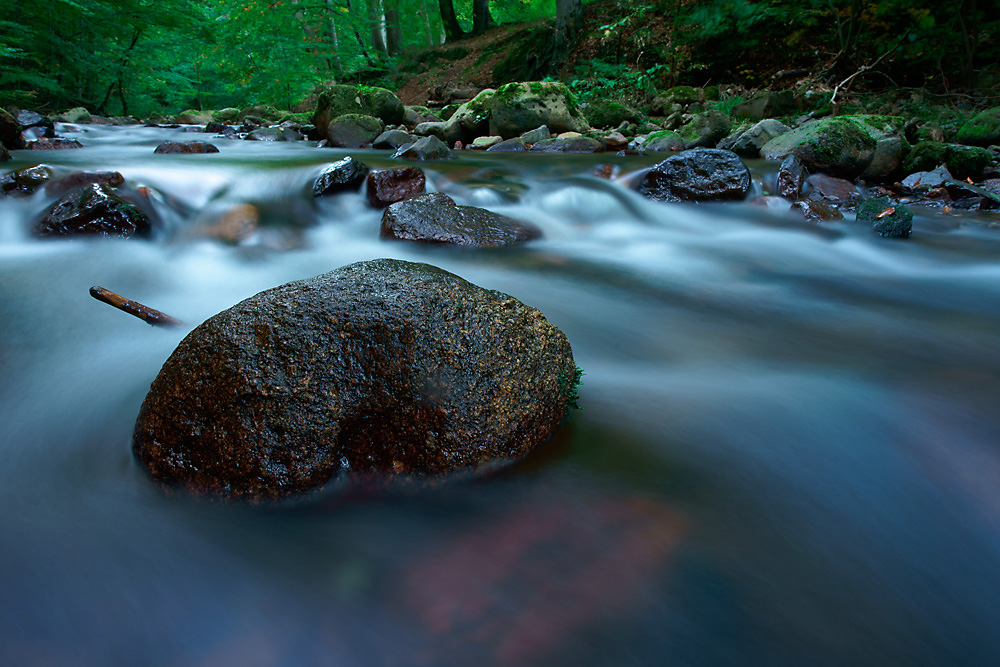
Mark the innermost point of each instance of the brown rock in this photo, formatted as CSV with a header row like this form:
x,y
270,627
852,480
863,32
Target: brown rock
x,y
48,144
384,369
791,175
78,179
436,218
93,210
388,186
171,147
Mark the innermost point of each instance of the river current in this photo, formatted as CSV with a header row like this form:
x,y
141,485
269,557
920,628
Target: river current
x,y
788,453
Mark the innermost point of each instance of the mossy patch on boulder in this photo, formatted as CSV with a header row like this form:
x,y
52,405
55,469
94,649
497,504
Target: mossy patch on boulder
x,y
961,161
338,100
519,107
836,146
983,129
608,114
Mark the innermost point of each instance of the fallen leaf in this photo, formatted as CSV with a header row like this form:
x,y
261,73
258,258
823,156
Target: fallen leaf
x,y
946,209
885,212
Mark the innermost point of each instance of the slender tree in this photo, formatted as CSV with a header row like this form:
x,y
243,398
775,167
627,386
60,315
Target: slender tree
x,y
453,32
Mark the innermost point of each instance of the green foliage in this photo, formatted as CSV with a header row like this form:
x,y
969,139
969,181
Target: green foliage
x,y
570,387
726,103
600,80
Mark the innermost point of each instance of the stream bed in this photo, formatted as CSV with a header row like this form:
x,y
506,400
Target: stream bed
x,y
788,452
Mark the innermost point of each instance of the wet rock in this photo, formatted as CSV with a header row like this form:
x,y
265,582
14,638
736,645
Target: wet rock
x,y
982,130
483,143
26,181
961,161
393,139
341,176
664,141
436,218
383,370
74,115
886,219
32,120
4,154
514,145
837,191
215,128
791,176
815,210
338,100
607,114
388,186
425,148
612,141
274,134
415,115
519,107
701,174
922,181
887,161
93,210
578,144
177,147
232,226
78,179
47,144
705,129
836,146
10,131
354,131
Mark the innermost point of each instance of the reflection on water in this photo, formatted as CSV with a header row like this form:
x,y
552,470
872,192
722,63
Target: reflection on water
x,y
788,452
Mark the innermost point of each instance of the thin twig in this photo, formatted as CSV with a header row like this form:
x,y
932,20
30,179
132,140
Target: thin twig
x,y
144,313
862,70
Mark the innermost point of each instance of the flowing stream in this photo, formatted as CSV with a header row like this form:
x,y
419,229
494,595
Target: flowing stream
x,y
788,453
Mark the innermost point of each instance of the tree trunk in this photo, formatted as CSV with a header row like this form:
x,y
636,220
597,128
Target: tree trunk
x,y
481,19
452,31
376,19
431,41
357,36
393,31
335,63
569,23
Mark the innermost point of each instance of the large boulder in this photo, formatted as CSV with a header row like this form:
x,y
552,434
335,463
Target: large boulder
x,y
608,114
93,210
469,120
384,370
35,124
338,100
185,147
700,174
663,141
961,161
193,117
837,146
74,115
436,218
571,144
982,130
705,129
518,107
353,130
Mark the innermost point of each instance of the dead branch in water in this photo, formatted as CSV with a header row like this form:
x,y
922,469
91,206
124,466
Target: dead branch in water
x,y
144,313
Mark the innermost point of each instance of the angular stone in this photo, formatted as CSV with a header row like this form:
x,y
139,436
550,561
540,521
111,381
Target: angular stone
x,y
425,148
60,186
382,370
341,176
388,186
93,210
393,139
700,174
791,175
436,218
47,144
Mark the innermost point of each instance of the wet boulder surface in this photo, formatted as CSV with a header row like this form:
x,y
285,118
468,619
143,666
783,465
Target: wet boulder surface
x,y
700,174
341,176
385,370
436,218
93,210
185,147
387,186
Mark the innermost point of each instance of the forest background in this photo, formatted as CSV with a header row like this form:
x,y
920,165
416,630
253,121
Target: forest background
x,y
143,57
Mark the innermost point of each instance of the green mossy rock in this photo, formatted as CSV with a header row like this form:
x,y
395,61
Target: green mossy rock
x,y
338,100
353,130
706,129
606,114
982,130
886,219
961,161
226,115
519,107
382,370
664,141
193,117
836,146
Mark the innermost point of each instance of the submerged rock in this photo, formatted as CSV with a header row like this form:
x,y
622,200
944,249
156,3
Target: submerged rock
x,y
93,210
383,369
343,175
50,144
700,174
436,218
388,186
172,147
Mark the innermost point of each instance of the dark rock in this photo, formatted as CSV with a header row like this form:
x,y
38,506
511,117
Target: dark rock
x,y
171,147
831,189
26,181
886,219
59,143
383,370
749,142
343,175
415,115
922,181
836,146
606,114
961,161
274,134
791,175
192,129
815,210
10,131
215,127
388,186
4,154
767,104
93,210
701,174
568,145
354,131
435,218
514,145
393,139
78,179
32,119
425,148
338,100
